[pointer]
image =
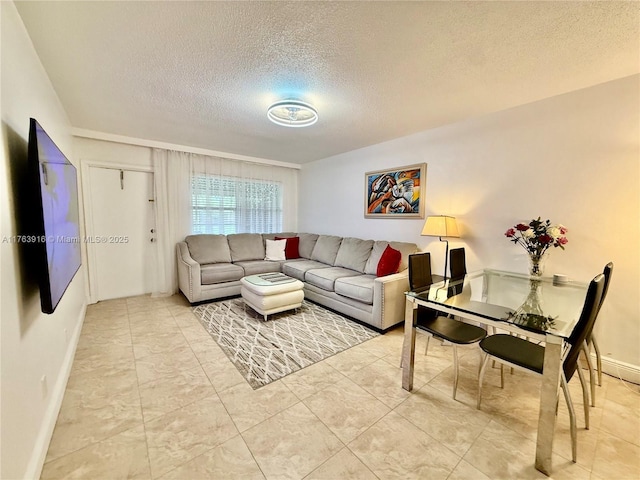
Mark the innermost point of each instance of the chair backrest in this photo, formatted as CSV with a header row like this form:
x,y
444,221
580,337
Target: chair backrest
x,y
608,270
420,271
584,327
457,263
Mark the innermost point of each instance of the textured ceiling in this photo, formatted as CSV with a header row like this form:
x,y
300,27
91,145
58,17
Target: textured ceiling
x,y
202,74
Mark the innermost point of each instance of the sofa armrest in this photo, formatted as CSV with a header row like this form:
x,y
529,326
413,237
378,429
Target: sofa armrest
x,y
189,280
389,299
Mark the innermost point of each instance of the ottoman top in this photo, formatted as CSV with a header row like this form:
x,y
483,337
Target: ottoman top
x,y
270,283
266,279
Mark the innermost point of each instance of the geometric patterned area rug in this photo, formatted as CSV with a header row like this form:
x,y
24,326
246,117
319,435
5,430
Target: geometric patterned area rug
x,y
266,351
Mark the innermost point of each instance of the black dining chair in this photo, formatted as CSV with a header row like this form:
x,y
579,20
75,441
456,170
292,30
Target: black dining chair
x,y
420,278
525,355
419,272
457,262
453,331
591,340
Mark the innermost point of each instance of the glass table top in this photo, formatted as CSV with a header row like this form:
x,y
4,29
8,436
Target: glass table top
x,y
537,305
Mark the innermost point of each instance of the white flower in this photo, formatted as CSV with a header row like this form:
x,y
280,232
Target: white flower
x,y
528,233
554,231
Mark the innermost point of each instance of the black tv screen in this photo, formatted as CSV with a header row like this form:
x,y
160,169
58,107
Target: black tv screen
x,y
55,227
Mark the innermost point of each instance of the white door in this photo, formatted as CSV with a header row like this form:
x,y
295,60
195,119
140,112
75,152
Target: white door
x,y
120,233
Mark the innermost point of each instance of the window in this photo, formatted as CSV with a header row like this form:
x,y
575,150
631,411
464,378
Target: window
x,y
225,205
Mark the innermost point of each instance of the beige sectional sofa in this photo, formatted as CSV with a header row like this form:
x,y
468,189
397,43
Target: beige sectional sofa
x,y
339,273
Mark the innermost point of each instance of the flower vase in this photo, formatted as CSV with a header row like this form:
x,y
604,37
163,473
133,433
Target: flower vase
x,y
532,304
537,264
530,314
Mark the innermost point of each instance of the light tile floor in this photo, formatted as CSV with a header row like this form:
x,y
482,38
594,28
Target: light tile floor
x,y
151,395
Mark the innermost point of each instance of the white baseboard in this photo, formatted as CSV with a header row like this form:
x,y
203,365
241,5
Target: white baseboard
x,y
618,369
39,453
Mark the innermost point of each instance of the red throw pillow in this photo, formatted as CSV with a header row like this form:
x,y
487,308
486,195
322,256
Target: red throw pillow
x,y
389,262
291,249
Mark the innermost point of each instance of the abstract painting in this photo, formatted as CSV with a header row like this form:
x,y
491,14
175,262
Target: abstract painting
x,y
396,193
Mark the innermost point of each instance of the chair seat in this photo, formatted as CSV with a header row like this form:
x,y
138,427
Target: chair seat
x,y
426,319
515,350
451,330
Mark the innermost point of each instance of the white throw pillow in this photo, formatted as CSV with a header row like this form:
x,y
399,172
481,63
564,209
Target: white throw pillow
x,y
275,250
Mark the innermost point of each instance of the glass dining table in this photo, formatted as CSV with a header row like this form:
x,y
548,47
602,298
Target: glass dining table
x,y
537,308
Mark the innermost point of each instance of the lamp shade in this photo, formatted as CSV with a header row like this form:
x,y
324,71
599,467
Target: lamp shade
x,y
440,226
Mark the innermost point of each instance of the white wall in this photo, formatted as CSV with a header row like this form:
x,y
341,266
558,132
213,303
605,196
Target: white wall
x,y
33,344
573,159
100,151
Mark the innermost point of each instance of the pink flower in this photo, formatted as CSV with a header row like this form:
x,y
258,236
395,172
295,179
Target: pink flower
x,y
510,233
563,230
522,227
562,240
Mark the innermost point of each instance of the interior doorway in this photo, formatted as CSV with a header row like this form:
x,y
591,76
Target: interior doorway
x,y
120,232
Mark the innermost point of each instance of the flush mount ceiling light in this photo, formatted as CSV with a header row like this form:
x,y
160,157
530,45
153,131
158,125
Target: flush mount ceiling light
x,y
292,113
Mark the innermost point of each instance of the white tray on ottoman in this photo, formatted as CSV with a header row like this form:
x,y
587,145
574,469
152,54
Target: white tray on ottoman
x,y
270,293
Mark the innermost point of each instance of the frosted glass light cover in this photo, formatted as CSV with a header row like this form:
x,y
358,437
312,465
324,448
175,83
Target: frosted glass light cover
x,y
292,113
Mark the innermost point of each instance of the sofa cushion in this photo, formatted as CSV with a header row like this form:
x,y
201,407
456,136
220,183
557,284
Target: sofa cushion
x,y
340,303
307,243
206,248
273,236
358,288
297,268
275,250
389,262
353,254
326,277
246,246
254,267
326,249
292,248
371,268
405,248
219,273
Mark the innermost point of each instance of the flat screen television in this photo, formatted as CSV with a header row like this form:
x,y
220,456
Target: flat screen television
x,y
55,222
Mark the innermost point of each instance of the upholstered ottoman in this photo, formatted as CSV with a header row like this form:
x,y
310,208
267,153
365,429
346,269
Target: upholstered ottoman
x,y
270,293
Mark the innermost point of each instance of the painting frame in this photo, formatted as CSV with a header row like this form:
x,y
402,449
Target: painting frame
x,y
392,193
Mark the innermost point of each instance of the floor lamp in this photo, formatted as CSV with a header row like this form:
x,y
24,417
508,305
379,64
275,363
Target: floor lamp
x,y
441,226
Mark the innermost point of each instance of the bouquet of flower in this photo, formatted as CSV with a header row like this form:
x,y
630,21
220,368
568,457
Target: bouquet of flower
x,y
537,236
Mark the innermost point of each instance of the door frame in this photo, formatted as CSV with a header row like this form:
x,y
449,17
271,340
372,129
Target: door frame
x,y
85,166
